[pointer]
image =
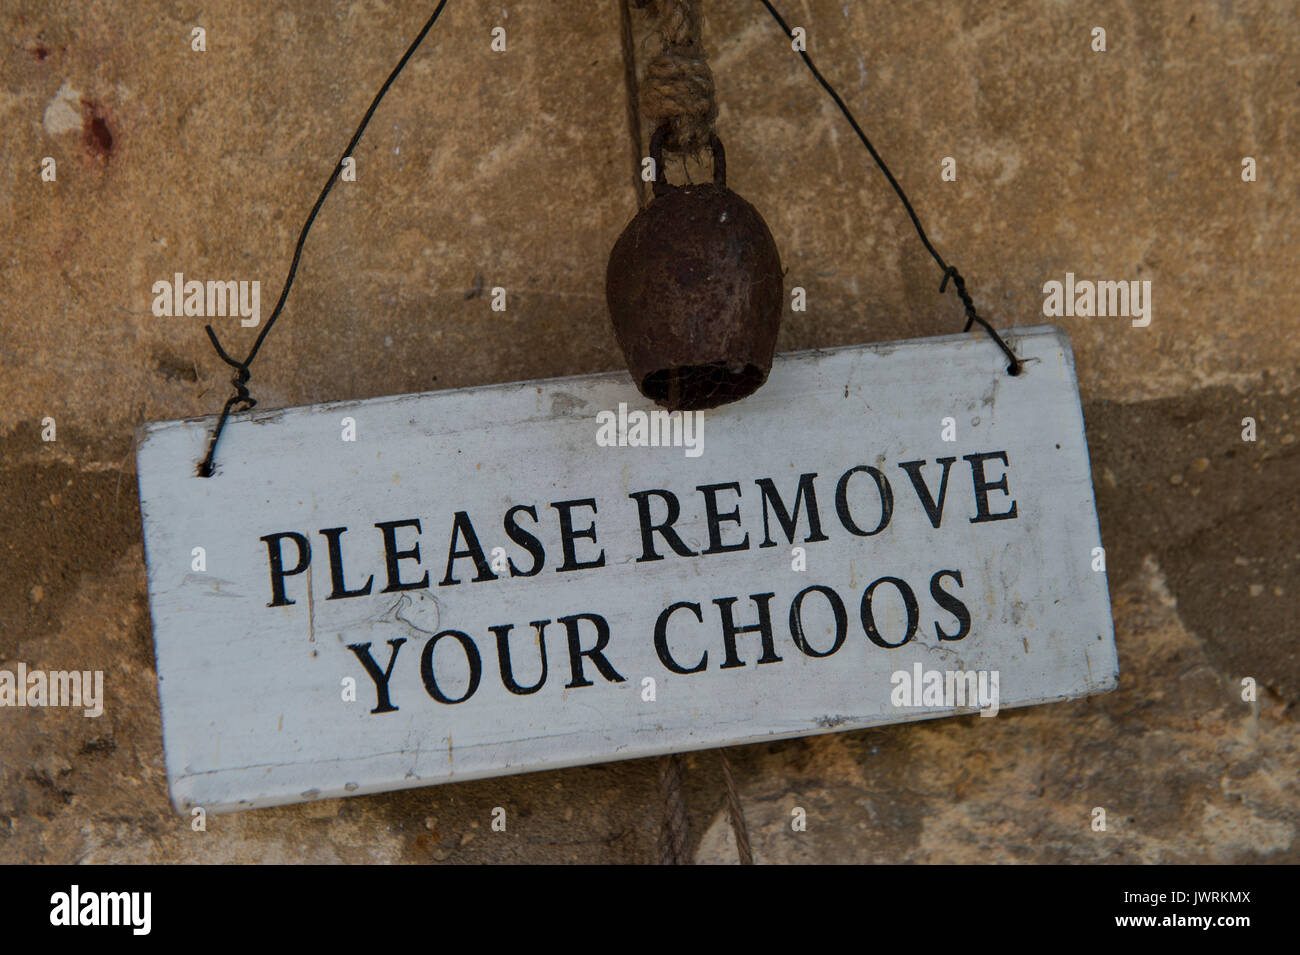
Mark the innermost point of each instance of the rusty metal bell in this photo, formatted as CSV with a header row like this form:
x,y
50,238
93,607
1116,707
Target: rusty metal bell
x,y
695,292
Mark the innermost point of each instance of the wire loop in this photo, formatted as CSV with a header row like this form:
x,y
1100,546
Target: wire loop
x,y
241,396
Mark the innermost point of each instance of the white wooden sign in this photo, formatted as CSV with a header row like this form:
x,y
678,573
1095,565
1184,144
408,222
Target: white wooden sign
x,y
411,590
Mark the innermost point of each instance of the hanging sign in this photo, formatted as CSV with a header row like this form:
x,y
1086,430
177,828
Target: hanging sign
x,y
380,594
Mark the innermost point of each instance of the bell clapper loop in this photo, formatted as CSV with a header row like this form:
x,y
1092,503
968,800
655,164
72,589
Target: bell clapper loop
x,y
661,183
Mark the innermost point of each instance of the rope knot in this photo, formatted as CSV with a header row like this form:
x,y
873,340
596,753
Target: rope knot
x,y
678,83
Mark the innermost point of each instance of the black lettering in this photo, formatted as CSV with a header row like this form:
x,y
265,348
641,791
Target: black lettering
x,y
525,540
789,521
933,510
796,621
278,573
710,492
576,653
461,526
567,535
648,529
340,589
661,639
763,628
842,501
392,555
426,666
362,651
950,603
503,655
869,620
983,486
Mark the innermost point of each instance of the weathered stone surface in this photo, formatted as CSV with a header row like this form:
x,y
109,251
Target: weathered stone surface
x,y
1185,770
485,169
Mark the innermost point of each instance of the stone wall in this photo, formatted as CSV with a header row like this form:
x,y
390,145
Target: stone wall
x,y
516,169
